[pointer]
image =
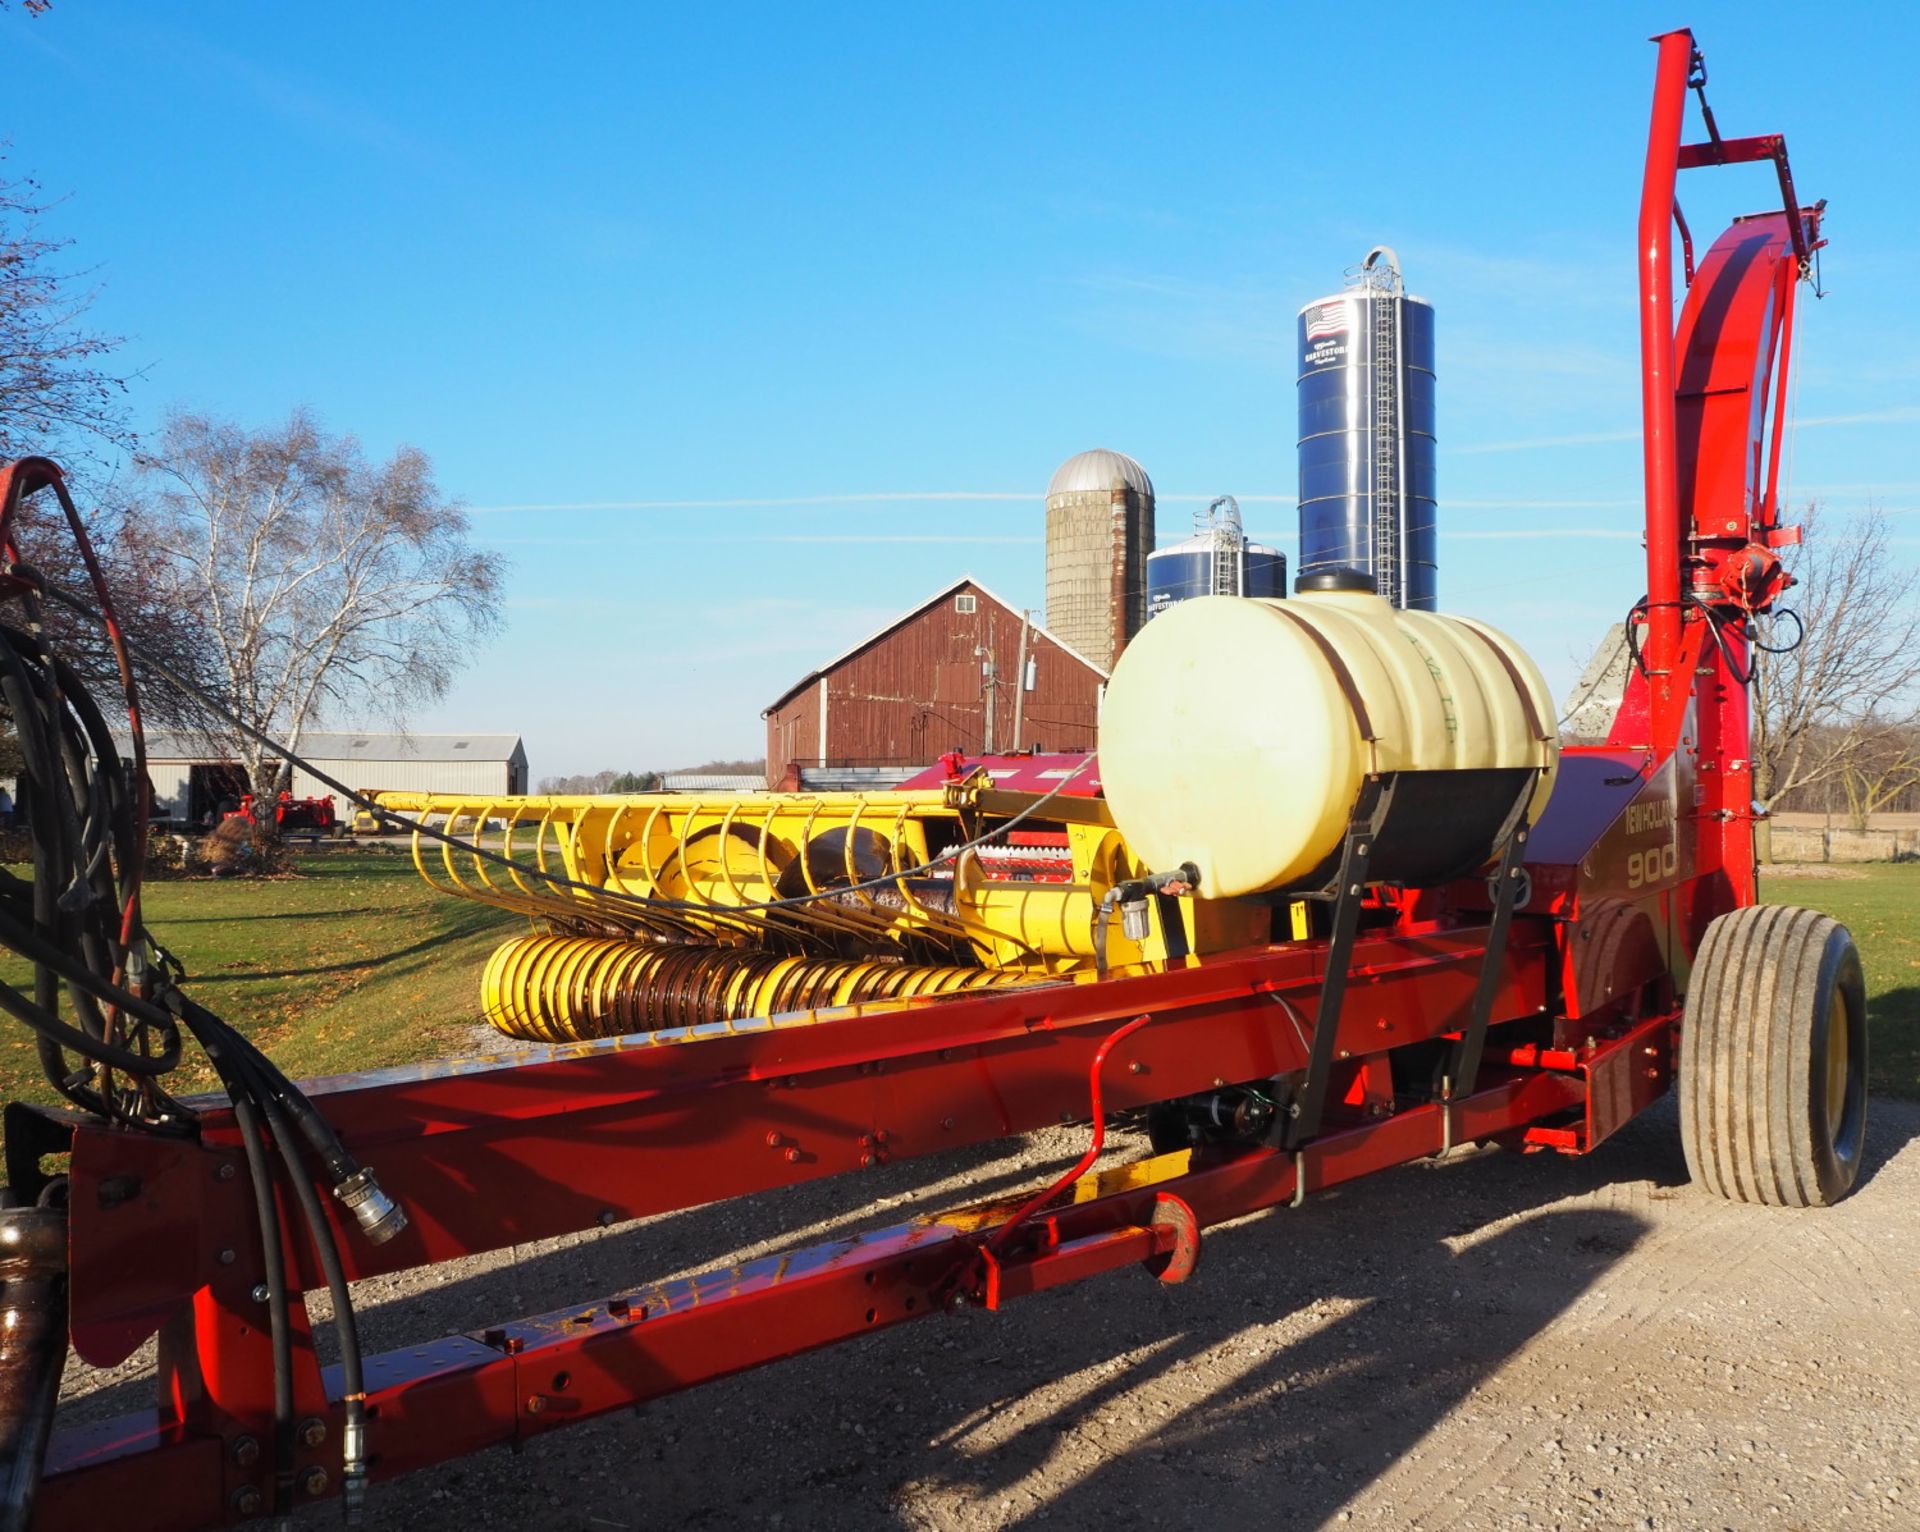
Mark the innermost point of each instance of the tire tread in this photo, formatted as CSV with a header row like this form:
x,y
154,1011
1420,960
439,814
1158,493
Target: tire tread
x,y
1749,1125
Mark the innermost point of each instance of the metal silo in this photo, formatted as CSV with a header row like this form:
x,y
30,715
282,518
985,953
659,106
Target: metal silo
x,y
1099,533
1367,435
1216,561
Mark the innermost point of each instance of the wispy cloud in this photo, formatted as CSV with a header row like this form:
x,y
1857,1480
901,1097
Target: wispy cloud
x,y
957,539
1575,271
1529,444
884,537
1249,321
878,499
1817,490
1611,534
1449,503
1209,499
329,116
1897,414
759,502
1900,414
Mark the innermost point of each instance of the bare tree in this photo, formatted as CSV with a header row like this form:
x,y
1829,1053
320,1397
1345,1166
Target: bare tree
x,y
1847,686
326,584
1880,770
57,396
579,784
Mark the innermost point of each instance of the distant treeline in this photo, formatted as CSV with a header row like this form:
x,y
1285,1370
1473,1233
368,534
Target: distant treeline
x,y
643,781
1863,769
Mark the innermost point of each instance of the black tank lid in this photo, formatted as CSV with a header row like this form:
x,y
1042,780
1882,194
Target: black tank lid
x,y
1340,578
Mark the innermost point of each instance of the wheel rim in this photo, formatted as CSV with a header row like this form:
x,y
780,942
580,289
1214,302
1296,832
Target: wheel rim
x,y
1839,1060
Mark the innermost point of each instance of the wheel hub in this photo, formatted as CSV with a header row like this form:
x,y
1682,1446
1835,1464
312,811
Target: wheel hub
x,y
1838,1062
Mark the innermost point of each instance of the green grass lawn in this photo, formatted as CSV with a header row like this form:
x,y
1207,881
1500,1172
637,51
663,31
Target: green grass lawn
x,y
1882,908
356,964
352,965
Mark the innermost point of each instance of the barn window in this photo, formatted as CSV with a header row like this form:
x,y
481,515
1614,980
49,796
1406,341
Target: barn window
x,y
963,604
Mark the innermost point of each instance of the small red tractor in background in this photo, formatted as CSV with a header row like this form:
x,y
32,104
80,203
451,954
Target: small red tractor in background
x,y
291,815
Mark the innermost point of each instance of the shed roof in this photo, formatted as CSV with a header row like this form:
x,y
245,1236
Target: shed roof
x,y
411,747
713,781
907,616
365,746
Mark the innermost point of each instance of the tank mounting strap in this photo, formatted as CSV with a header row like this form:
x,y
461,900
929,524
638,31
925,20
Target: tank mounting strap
x,y
1520,686
1343,677
1460,1068
1301,1120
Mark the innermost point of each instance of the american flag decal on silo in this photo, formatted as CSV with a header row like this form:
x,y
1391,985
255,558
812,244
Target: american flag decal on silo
x,y
1326,319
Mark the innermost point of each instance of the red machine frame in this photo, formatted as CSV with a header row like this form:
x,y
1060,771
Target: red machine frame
x,y
1647,839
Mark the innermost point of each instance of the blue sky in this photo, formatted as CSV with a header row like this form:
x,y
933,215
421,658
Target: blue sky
x,y
743,328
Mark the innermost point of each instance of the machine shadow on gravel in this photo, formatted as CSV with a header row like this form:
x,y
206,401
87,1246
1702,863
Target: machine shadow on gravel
x,y
1434,1280
1428,1279
1296,1433
1431,1277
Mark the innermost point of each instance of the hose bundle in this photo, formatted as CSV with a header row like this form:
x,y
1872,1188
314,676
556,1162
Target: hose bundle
x,y
107,1007
77,920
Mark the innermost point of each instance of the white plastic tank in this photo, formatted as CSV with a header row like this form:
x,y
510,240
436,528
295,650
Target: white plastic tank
x,y
1231,735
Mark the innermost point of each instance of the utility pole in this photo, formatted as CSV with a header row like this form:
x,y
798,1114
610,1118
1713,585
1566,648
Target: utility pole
x,y
1020,686
989,680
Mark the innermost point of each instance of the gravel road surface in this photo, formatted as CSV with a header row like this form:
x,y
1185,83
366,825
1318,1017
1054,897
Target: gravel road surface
x,y
1487,1341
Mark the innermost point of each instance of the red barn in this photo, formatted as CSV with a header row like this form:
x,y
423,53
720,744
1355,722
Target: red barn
x,y
946,674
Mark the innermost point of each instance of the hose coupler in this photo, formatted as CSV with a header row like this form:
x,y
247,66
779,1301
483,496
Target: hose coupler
x,y
379,1216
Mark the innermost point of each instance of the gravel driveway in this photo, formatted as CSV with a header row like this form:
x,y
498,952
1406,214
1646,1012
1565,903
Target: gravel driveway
x,y
1485,1341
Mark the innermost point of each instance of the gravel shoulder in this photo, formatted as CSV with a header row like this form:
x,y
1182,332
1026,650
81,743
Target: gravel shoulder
x,y
1487,1341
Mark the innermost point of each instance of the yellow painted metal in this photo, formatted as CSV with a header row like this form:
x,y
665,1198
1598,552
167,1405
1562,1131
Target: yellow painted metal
x,y
1094,1185
1838,1061
666,927
564,989
709,861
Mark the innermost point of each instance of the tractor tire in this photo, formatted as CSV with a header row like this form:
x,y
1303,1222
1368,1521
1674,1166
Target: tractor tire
x,y
1773,1059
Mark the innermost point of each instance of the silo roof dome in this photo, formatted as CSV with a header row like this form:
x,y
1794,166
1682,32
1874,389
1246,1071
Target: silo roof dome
x,y
1097,470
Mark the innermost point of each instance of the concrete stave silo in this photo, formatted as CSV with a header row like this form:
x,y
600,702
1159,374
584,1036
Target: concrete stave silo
x,y
1099,533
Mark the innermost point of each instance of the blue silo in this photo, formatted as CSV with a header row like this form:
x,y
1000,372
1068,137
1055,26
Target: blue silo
x,y
1216,561
1367,486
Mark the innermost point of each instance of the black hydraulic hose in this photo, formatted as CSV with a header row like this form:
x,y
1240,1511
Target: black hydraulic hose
x,y
50,708
267,1211
560,880
77,920
1799,637
1744,677
47,1024
43,950
1633,644
353,1391
240,1054
231,1052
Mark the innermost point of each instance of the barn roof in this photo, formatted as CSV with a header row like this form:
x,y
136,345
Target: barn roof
x,y
362,746
907,616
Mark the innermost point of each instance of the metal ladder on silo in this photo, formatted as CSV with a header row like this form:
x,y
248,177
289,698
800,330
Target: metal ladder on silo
x,y
1229,560
1386,449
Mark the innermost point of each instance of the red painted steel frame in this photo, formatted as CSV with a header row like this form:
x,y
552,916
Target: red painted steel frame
x,y
1711,528
488,1153
1711,475
1662,649
503,1384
